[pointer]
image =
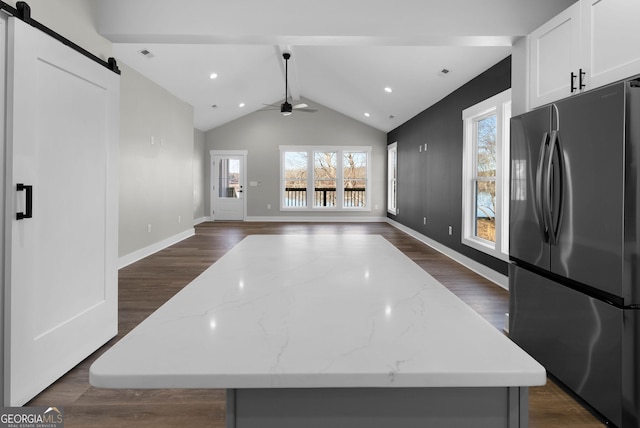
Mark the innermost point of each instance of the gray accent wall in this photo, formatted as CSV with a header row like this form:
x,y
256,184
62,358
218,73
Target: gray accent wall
x,y
262,133
430,182
156,163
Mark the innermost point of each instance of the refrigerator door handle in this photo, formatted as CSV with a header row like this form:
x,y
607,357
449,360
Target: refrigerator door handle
x,y
549,197
540,194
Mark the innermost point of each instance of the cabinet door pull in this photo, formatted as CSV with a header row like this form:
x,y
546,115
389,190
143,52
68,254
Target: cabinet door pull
x,y
573,82
581,84
29,201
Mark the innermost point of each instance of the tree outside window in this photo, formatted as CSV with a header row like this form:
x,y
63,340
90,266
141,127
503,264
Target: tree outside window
x,y
296,165
355,179
324,178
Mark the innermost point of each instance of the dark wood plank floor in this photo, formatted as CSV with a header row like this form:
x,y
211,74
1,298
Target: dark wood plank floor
x,y
147,284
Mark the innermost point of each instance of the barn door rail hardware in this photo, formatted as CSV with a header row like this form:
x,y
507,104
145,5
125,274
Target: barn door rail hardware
x,y
22,11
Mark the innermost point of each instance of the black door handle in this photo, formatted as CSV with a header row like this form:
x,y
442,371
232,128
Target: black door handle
x,y
573,82
28,213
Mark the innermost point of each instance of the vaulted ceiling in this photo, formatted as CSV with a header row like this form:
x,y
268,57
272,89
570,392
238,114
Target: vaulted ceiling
x,y
344,52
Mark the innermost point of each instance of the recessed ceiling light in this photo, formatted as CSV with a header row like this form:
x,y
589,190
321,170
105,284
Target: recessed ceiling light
x,y
241,105
388,89
367,115
213,76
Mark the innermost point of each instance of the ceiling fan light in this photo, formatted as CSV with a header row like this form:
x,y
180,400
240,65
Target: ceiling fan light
x,y
286,113
286,108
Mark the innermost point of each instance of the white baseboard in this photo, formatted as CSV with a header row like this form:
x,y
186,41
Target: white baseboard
x,y
479,268
317,219
140,254
197,221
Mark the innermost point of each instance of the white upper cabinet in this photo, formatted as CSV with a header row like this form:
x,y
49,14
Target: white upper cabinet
x,y
590,44
554,54
611,29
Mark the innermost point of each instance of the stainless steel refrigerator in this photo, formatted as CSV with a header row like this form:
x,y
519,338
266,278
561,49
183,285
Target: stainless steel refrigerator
x,y
574,275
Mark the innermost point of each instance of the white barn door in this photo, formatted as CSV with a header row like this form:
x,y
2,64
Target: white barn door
x,y
61,231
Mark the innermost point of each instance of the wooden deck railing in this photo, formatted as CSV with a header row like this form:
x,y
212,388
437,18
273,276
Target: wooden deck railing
x,y
325,197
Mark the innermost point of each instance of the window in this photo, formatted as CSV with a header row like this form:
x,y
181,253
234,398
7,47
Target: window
x,y
295,165
325,178
485,172
354,179
325,170
392,177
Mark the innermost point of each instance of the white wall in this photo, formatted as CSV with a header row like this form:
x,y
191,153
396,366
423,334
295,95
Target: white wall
x,y
261,133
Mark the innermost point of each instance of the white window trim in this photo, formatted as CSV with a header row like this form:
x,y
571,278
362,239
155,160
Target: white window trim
x,y
392,202
340,150
501,105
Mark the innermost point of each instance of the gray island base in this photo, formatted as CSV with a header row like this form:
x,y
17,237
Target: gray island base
x,y
378,408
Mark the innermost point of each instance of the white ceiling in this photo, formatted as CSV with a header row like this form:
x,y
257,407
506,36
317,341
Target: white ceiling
x,y
344,52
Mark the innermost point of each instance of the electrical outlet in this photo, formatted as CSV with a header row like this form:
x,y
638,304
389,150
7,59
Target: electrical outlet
x,y
268,206
149,228
424,220
179,219
450,230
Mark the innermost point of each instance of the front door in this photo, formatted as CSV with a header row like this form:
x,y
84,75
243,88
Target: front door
x,y
228,185
62,199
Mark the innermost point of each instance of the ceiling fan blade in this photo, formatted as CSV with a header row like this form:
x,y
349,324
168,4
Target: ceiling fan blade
x,y
301,105
307,110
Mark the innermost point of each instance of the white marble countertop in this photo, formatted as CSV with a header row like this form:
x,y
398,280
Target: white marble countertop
x,y
296,311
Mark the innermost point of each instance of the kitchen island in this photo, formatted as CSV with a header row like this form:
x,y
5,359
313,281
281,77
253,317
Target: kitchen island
x,y
327,330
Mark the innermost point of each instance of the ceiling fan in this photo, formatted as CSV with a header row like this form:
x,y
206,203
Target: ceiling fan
x,y
286,108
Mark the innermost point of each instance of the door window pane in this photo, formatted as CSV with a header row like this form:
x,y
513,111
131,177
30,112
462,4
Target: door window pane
x,y
324,178
229,178
295,177
354,179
